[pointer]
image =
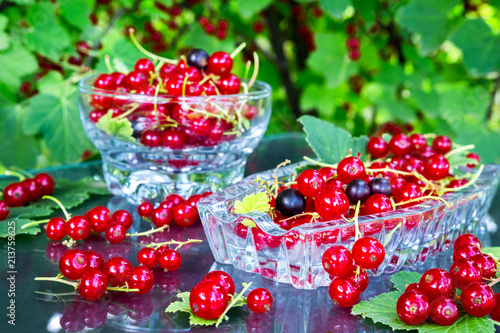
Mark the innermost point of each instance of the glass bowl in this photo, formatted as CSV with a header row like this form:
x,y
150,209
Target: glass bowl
x,y
218,134
409,235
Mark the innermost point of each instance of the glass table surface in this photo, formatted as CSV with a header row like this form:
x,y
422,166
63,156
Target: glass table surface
x,y
36,310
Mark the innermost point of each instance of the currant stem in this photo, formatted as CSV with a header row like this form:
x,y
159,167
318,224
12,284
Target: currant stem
x,y
27,225
133,107
107,62
356,225
458,150
149,232
58,279
421,198
275,178
15,174
178,243
470,182
238,50
233,301
24,172
310,160
126,289
255,70
146,52
492,283
66,214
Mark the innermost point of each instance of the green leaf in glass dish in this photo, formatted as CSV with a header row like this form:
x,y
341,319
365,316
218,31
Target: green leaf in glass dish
x,y
330,59
429,20
331,143
120,128
255,202
480,47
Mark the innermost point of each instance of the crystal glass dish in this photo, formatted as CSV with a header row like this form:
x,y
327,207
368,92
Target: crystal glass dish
x,y
203,163
409,235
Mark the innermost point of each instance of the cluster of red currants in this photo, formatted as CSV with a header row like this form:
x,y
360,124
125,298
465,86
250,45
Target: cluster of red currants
x,y
353,43
174,208
435,295
173,124
95,275
153,36
162,255
97,219
219,29
28,190
348,268
83,49
210,297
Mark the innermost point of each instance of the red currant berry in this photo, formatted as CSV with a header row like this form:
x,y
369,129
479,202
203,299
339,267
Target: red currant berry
x,y
418,142
96,261
377,147
495,312
475,157
174,139
148,257
368,252
117,269
73,263
436,167
93,285
441,144
194,199
56,229
259,300
220,63
185,215
115,233
466,239
161,216
208,300
352,43
160,250
344,291
309,182
33,189
408,192
105,82
174,200
465,252
4,210
477,299
487,265
135,80
337,260
359,276
151,138
145,209
46,182
229,84
413,287
15,195
327,172
222,278
122,217
170,260
354,55
331,203
140,278
400,145
464,272
436,282
145,66
78,228
413,308
378,203
350,168
444,311
99,218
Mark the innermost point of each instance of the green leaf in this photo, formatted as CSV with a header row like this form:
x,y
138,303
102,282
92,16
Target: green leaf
x,y
75,12
4,38
402,279
21,216
247,9
382,309
15,63
180,305
331,143
46,36
255,202
335,8
493,251
12,117
318,97
330,59
56,119
428,19
121,128
480,47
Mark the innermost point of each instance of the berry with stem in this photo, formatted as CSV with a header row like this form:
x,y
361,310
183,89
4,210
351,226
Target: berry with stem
x,y
359,276
309,182
441,144
56,229
148,257
350,168
436,282
259,300
208,300
487,265
477,299
465,252
222,278
413,308
368,252
464,272
337,260
140,278
467,239
117,269
116,233
170,260
78,228
93,284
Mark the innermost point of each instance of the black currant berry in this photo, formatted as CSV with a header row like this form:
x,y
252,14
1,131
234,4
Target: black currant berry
x,y
290,202
357,190
380,186
197,58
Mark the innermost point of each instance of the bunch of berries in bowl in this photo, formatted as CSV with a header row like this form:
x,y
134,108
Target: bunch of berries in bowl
x,y
167,117
410,195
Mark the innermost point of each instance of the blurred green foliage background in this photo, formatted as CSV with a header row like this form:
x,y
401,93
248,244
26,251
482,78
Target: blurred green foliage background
x,y
369,66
